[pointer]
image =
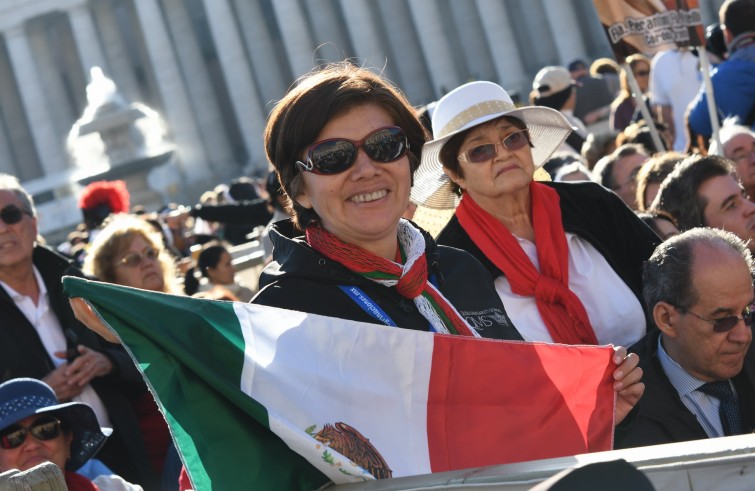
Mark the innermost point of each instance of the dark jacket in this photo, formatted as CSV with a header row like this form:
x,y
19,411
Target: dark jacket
x,y
595,214
239,218
299,278
662,417
22,354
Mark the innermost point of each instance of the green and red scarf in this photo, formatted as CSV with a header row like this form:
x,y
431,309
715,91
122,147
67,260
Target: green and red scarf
x,y
409,278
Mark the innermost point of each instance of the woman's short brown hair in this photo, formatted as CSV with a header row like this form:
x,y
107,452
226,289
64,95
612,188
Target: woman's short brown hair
x,y
115,238
317,98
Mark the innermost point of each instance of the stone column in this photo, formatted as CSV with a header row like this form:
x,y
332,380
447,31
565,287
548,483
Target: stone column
x,y
363,28
50,148
200,90
435,45
508,64
178,111
239,80
296,37
268,59
7,164
116,52
329,33
406,54
472,44
87,41
564,26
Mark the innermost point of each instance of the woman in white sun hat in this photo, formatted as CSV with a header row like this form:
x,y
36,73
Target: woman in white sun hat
x,y
566,257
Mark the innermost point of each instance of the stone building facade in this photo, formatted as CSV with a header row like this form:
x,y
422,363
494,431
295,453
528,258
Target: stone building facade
x,y
213,68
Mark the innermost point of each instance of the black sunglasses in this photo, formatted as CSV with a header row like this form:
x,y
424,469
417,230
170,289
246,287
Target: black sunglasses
x,y
12,214
43,429
485,152
725,324
337,155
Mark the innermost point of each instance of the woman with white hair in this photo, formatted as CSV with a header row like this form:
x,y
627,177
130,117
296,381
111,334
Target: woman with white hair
x,y
738,145
566,257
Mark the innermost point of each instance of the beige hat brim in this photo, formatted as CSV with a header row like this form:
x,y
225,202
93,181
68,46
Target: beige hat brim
x,y
547,128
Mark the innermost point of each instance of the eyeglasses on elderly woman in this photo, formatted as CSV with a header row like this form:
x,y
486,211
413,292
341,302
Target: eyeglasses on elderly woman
x,y
134,259
337,155
485,152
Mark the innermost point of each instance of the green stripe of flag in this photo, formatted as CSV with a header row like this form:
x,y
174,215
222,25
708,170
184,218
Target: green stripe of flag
x,y
191,353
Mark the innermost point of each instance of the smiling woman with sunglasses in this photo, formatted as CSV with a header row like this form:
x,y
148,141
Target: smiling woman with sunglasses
x,y
566,257
36,428
345,143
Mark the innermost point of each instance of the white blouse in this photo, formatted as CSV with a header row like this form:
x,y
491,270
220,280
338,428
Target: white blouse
x,y
614,311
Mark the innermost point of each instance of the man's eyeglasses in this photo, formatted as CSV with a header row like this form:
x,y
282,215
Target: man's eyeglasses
x,y
43,429
485,152
337,155
642,73
12,214
724,324
745,155
134,259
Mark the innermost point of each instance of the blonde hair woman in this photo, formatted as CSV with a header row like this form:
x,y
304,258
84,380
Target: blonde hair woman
x,y
624,106
130,252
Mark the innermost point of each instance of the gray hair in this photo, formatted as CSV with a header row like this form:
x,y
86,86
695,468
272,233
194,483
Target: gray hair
x,y
729,129
667,275
12,184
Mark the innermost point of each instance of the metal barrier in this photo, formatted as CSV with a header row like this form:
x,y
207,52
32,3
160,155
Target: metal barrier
x,y
703,465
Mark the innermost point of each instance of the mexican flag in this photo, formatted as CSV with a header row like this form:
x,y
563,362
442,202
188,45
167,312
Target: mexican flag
x,y
264,398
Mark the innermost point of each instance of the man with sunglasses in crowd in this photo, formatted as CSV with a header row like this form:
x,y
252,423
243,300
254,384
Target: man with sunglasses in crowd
x,y
40,337
697,368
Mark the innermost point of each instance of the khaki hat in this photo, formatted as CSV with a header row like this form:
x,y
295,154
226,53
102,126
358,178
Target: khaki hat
x,y
471,105
551,80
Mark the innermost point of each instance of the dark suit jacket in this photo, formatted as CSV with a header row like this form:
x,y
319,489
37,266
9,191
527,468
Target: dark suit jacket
x,y
22,354
662,417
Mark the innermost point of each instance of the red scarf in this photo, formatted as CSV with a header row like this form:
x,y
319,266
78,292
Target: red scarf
x,y
77,482
409,279
561,310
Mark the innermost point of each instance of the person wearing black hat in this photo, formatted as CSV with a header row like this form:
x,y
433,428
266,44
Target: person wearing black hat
x,y
36,428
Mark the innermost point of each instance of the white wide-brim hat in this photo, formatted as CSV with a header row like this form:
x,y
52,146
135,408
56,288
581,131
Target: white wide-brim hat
x,y
471,105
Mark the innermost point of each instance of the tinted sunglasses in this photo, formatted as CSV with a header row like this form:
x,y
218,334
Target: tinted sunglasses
x,y
725,324
43,429
134,259
12,214
483,153
337,155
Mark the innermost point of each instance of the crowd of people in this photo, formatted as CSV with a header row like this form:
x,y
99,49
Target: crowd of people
x,y
555,233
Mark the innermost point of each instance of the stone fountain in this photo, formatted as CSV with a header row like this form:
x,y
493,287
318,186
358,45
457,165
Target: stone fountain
x,y
115,139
